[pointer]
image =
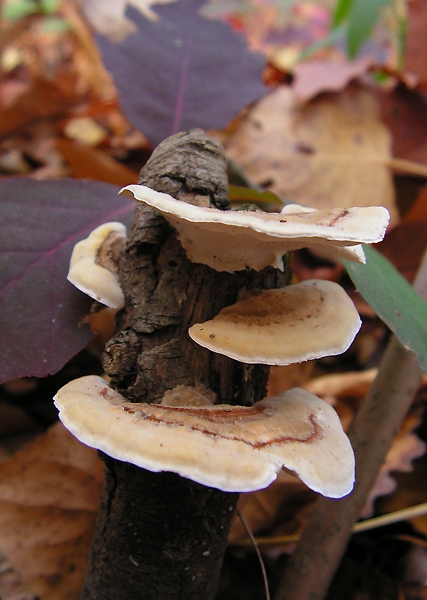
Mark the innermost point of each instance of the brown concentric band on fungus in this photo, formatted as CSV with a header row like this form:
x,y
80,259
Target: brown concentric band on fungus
x,y
242,452
300,322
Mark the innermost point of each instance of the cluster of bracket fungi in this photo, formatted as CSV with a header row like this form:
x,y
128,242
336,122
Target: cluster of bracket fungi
x,y
233,448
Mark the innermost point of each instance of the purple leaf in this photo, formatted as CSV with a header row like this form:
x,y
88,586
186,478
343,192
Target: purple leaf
x,y
40,311
182,71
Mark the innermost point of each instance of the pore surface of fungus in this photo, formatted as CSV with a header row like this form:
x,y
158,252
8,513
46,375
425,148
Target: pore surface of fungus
x,y
233,240
232,448
91,269
311,319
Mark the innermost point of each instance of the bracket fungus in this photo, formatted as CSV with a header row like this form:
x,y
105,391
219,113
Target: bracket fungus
x,y
235,448
233,240
92,269
232,448
307,320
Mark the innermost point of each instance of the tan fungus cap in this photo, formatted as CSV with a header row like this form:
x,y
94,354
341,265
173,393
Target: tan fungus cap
x,y
88,275
233,240
311,319
232,448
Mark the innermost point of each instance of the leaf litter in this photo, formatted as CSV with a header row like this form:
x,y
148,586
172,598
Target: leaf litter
x,y
35,108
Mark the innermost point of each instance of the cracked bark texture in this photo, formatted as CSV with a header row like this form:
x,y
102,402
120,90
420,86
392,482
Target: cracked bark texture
x,y
160,536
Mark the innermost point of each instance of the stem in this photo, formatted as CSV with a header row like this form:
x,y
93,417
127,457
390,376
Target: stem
x,y
312,566
155,538
257,551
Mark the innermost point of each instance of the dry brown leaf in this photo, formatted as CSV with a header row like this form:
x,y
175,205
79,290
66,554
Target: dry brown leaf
x,y
103,325
332,152
316,76
411,491
282,508
405,114
415,573
11,587
339,386
85,130
42,101
108,18
309,264
282,379
406,447
346,392
17,427
416,41
49,496
284,503
90,163
405,245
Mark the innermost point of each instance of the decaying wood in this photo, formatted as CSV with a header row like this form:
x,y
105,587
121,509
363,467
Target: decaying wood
x,y
158,535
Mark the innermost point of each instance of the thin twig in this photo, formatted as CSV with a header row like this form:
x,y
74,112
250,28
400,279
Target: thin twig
x,y
394,517
408,167
255,545
323,542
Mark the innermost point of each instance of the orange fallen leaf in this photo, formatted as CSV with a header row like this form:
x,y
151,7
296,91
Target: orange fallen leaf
x,y
91,163
42,100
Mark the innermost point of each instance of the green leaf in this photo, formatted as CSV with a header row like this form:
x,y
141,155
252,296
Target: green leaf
x,y
238,193
55,25
49,6
19,10
341,12
394,301
362,17
401,42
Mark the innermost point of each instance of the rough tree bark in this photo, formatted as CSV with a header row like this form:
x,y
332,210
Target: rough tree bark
x,y
160,536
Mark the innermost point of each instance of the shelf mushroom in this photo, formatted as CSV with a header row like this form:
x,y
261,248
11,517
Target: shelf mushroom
x,y
307,320
232,448
91,269
233,240
237,448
